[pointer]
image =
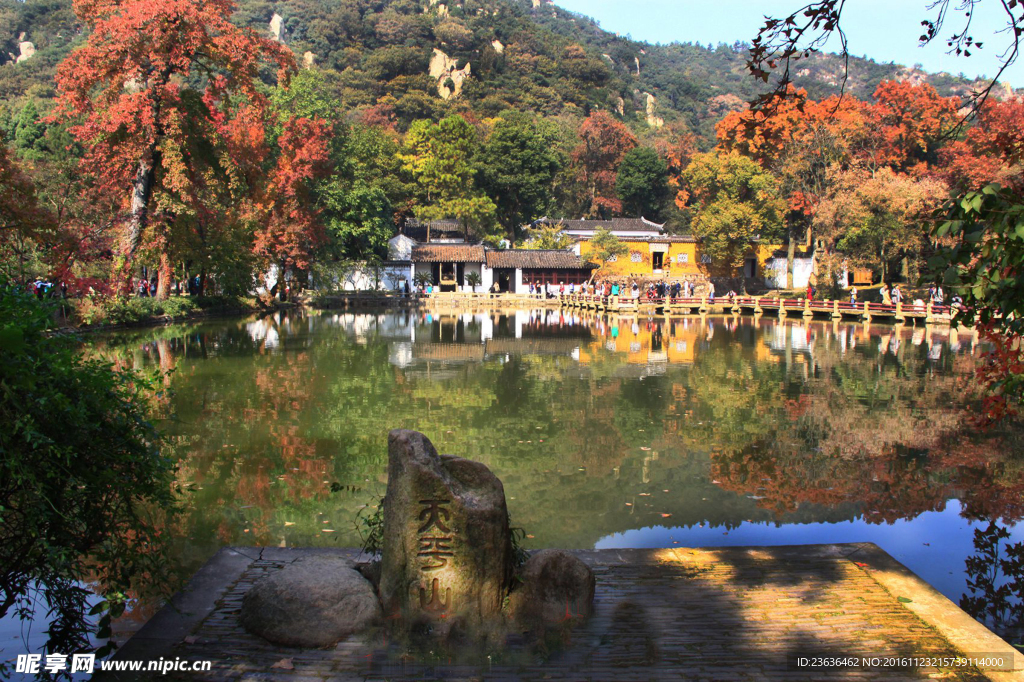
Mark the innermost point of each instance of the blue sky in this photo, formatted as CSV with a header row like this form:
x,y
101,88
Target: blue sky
x,y
885,30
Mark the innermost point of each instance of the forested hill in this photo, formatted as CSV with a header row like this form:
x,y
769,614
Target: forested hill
x,y
496,54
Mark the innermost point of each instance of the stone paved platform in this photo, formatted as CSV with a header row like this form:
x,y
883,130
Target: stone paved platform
x,y
729,614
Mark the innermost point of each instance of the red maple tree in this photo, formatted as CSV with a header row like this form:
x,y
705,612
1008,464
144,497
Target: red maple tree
x,y
603,144
129,94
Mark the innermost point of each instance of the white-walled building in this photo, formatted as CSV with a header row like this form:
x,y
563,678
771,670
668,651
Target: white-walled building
x,y
450,262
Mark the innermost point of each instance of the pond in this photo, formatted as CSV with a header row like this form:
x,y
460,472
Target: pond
x,y
607,432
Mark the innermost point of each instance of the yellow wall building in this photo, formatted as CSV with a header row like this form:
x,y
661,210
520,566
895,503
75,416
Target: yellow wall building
x,y
655,255
643,342
673,258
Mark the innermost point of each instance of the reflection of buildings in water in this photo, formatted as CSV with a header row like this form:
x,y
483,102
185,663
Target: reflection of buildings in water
x,y
650,342
264,331
400,354
458,337
532,346
474,337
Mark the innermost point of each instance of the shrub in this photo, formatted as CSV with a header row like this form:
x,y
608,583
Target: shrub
x,y
81,478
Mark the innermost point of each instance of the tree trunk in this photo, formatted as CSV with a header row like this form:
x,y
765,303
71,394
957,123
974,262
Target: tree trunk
x,y
790,260
164,274
142,190
202,282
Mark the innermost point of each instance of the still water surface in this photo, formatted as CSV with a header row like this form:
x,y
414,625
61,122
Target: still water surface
x,y
607,432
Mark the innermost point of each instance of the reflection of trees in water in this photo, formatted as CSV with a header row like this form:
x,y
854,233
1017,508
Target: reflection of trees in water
x,y
268,414
995,582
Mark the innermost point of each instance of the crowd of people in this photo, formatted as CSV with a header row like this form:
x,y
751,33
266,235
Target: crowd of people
x,y
632,289
145,288
43,288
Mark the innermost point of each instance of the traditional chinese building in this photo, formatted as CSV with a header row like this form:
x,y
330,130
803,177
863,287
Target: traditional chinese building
x,y
515,270
652,254
449,262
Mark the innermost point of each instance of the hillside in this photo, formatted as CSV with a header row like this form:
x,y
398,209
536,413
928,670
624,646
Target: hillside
x,y
399,60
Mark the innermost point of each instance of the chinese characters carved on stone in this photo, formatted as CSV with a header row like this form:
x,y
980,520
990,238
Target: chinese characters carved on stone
x,y
435,549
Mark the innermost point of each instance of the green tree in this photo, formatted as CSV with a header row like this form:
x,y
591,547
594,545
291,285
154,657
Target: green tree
x,y
734,201
29,132
519,164
606,246
983,261
82,478
355,208
474,280
642,182
439,157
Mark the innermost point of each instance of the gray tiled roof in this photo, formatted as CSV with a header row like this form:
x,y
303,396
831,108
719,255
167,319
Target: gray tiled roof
x,y
529,259
447,253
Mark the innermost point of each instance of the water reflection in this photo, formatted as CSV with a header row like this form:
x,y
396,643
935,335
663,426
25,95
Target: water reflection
x,y
610,431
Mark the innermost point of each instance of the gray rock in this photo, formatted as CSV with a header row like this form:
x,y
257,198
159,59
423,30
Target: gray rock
x,y
446,560
313,603
557,588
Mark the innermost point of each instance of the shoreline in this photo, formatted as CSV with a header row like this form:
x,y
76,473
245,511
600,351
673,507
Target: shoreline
x,y
369,302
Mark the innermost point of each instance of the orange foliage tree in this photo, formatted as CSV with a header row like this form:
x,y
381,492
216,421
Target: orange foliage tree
x,y
603,143
991,150
289,228
147,130
21,218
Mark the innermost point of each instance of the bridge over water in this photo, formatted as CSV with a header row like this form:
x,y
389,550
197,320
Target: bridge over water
x,y
928,313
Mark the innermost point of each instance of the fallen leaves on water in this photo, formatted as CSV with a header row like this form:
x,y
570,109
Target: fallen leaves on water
x,y
283,664
665,516
904,600
857,563
289,523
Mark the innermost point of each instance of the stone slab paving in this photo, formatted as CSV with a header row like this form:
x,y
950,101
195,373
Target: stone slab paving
x,y
729,614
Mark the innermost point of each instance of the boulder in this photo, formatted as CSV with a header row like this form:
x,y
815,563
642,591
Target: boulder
x,y
447,554
314,602
556,588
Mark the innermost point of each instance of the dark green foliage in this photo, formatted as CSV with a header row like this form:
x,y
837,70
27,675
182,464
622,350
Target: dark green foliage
x,y
982,265
134,310
370,526
82,480
517,536
642,183
552,61
518,167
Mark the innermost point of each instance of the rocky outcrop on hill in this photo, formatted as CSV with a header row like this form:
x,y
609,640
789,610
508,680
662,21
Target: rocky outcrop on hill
x,y
445,70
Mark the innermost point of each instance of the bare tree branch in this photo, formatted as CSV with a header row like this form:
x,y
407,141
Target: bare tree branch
x,y
781,43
